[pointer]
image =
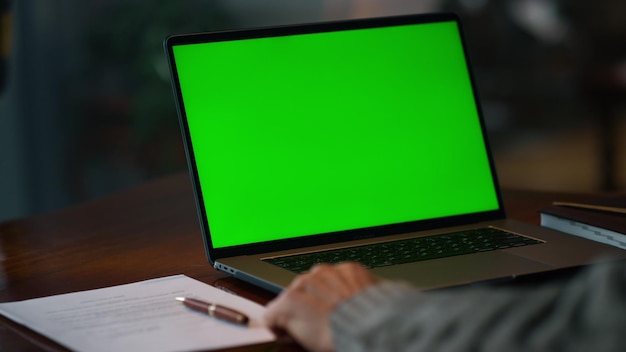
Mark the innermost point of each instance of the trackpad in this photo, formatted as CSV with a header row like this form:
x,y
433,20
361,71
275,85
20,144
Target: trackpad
x,y
461,270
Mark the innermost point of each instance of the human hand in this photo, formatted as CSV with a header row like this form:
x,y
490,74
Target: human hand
x,y
303,309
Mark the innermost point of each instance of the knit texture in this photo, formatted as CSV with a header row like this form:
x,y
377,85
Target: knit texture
x,y
586,313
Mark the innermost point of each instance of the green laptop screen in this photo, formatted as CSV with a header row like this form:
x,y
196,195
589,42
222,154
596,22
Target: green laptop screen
x,y
315,133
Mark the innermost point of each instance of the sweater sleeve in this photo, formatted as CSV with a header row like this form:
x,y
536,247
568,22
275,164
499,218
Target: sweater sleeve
x,y
586,313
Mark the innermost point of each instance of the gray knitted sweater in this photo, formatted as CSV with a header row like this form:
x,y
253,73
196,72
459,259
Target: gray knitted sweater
x,y
586,313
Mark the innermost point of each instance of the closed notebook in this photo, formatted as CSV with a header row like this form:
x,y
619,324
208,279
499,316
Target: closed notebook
x,y
599,219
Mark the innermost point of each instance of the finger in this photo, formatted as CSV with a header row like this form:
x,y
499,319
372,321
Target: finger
x,y
355,275
303,316
327,283
345,279
336,283
281,309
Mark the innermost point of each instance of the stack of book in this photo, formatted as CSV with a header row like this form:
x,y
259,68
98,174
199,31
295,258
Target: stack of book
x,y
602,219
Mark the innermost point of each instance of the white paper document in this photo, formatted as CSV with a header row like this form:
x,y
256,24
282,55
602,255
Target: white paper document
x,y
142,316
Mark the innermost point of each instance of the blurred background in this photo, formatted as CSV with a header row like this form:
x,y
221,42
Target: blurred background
x,y
86,107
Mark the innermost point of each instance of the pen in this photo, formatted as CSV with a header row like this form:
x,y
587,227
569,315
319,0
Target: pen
x,y
215,310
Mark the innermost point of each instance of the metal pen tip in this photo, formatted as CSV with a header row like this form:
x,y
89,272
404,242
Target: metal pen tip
x,y
182,299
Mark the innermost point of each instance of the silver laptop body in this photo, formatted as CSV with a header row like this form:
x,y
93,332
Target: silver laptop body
x,y
308,138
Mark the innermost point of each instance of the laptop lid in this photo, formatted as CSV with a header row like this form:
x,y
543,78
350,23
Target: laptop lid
x,y
311,134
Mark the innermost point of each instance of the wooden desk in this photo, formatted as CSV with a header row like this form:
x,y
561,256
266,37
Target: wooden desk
x,y
145,232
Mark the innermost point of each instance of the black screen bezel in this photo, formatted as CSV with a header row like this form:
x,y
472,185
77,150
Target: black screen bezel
x,y
325,238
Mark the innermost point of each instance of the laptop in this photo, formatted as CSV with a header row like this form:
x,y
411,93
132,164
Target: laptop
x,y
350,140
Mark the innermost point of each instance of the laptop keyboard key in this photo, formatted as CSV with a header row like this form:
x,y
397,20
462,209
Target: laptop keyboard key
x,y
409,250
